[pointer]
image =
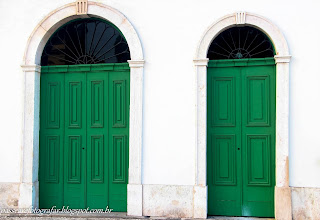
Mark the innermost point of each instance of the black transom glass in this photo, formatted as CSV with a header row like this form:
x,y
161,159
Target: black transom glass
x,y
240,43
86,41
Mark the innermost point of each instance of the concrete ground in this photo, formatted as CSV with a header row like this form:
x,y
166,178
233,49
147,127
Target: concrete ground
x,y
109,216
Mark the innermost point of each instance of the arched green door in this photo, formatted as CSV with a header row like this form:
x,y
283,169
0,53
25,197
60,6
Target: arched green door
x,y
241,137
84,120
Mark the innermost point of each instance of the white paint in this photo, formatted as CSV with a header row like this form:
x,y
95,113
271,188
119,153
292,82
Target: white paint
x,y
170,32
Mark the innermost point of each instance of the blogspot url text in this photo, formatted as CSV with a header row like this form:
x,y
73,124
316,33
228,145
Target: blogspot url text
x,y
55,210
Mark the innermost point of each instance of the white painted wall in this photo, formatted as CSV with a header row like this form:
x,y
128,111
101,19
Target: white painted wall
x,y
169,32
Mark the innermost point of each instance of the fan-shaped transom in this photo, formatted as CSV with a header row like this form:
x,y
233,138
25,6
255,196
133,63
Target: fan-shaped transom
x,y
240,43
86,41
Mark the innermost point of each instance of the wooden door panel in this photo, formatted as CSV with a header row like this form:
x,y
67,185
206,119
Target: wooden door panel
x,y
74,106
257,160
224,188
96,167
257,99
51,140
119,159
223,136
74,162
53,105
223,103
75,140
97,142
119,102
96,95
258,135
52,157
118,138
224,156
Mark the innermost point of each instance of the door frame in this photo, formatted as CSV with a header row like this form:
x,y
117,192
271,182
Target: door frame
x,y
29,184
282,58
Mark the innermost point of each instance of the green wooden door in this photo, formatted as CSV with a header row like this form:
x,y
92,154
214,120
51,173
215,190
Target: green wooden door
x,y
241,137
84,130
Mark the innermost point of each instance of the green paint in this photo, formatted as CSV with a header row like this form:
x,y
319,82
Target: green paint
x,y
84,136
241,137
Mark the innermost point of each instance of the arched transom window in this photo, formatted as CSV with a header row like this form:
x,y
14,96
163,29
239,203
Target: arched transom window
x,y
86,41
240,43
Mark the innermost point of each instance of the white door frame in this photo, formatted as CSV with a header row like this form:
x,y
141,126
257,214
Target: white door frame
x,y
29,184
282,59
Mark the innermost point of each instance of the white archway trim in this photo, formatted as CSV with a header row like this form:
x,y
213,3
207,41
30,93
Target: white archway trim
x,y
29,185
66,13
250,19
282,59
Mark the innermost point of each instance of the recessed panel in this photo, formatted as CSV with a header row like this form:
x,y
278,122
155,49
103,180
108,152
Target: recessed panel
x,y
53,105
223,101
258,159
96,105
52,151
223,153
258,104
119,103
75,104
97,158
119,161
74,159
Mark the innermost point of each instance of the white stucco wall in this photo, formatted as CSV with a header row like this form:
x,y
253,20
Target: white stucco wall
x,y
169,32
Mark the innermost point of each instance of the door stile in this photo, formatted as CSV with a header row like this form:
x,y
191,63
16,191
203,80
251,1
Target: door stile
x,y
63,137
119,88
240,178
97,133
51,139
85,150
75,139
258,133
